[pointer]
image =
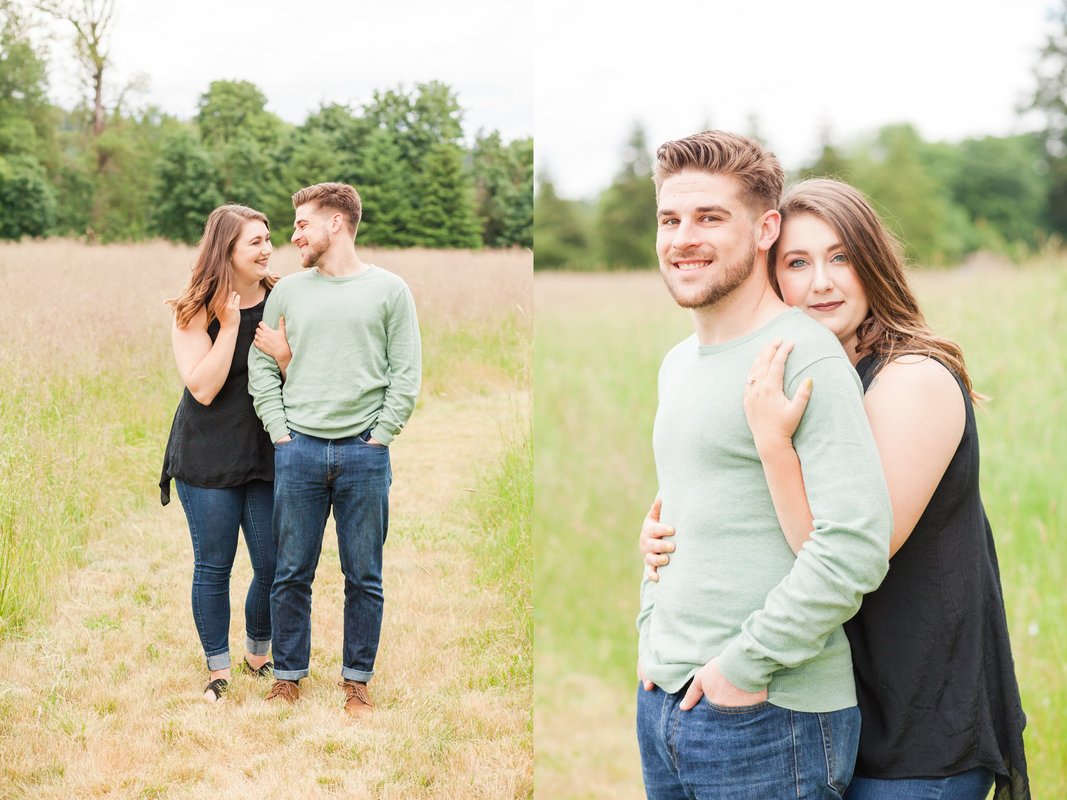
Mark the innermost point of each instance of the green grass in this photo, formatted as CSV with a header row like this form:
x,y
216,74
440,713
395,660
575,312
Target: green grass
x,y
79,450
475,356
502,511
598,344
82,448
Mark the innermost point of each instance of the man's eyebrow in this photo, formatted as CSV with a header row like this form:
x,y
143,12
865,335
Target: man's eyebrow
x,y
720,210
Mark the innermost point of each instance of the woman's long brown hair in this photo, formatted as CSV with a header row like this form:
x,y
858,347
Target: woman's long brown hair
x,y
211,281
895,325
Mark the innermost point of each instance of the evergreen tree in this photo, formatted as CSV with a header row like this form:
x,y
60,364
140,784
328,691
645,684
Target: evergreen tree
x,y
246,141
503,186
626,212
429,117
443,214
188,188
382,181
561,230
347,136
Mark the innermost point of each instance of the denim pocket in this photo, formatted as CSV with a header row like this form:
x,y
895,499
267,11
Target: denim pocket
x,y
840,740
735,709
364,438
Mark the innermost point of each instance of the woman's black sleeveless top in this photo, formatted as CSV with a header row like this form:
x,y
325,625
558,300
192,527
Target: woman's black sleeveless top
x,y
222,444
934,671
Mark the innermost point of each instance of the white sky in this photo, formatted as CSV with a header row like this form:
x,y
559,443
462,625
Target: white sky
x,y
591,69
953,68
301,53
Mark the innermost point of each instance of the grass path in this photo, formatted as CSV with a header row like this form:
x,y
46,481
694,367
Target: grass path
x,y
103,698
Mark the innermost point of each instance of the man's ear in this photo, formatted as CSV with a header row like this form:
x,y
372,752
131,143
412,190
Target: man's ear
x,y
770,227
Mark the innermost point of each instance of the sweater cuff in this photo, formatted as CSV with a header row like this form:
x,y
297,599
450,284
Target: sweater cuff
x,y
743,671
277,430
380,434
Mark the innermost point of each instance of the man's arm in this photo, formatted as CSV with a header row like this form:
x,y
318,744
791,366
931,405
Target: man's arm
x,y
265,379
403,350
847,554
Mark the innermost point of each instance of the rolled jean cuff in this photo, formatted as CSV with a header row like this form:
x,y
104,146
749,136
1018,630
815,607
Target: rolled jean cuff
x,y
290,674
358,675
219,661
257,648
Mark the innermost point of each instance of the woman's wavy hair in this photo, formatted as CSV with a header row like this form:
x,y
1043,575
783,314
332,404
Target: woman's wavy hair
x,y
895,325
211,281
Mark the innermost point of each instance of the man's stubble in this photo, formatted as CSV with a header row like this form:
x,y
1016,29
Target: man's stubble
x,y
724,281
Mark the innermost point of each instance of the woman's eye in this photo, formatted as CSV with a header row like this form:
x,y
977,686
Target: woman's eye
x,y
840,258
797,263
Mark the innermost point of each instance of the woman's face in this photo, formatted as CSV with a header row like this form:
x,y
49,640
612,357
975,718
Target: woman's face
x,y
815,275
251,252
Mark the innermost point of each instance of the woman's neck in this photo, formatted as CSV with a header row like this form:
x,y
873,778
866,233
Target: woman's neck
x,y
251,293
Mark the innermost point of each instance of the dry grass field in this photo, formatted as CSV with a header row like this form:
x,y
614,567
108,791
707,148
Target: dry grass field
x,y
599,342
100,694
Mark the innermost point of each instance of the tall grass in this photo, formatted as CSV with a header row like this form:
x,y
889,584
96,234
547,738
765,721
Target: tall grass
x,y
503,511
89,384
598,343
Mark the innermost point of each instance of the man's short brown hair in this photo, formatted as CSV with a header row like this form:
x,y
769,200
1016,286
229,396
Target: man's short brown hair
x,y
335,196
722,153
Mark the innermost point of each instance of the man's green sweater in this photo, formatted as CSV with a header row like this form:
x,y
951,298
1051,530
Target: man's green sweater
x,y
357,358
733,587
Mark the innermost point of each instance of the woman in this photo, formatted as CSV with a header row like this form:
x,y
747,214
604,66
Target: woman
x,y
934,673
218,453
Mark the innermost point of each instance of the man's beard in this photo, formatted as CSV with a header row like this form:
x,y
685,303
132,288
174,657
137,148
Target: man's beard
x,y
725,279
310,257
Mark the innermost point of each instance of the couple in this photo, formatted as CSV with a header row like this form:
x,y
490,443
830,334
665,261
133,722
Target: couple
x,y
276,426
782,511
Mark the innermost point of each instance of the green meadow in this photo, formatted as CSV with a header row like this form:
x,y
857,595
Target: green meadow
x,y
599,340
90,385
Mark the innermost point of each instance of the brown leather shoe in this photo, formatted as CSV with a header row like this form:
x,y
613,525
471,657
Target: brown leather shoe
x,y
357,697
284,690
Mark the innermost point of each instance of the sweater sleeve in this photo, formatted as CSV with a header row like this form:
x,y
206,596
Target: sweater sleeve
x,y
265,378
403,349
847,554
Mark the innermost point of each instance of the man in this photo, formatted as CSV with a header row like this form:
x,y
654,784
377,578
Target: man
x,y
747,678
350,387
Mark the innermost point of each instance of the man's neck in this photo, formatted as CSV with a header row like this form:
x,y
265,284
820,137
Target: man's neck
x,y
341,261
748,308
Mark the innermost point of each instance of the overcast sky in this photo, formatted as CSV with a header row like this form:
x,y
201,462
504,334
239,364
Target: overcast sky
x,y
302,53
589,70
953,68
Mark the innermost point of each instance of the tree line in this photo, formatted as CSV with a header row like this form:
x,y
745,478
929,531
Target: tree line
x,y
944,200
118,174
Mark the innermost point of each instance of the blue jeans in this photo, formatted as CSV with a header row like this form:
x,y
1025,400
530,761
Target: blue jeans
x,y
759,752
971,785
215,516
311,476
